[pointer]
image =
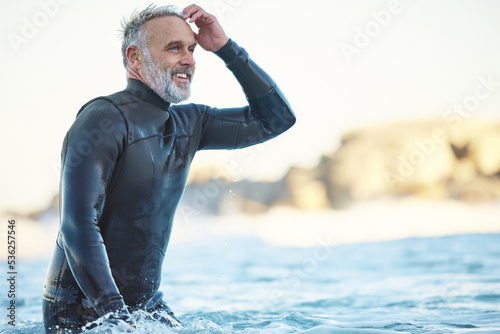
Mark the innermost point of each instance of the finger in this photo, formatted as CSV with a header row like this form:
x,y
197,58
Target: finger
x,y
196,13
192,10
198,17
204,19
186,12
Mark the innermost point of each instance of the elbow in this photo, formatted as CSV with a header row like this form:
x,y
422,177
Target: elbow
x,y
285,118
291,120
75,228
68,233
274,112
283,111
285,123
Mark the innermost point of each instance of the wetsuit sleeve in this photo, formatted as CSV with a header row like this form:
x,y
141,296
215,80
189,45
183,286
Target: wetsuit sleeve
x,y
267,115
90,151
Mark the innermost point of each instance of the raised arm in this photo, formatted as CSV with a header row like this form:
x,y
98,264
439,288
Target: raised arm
x,y
268,113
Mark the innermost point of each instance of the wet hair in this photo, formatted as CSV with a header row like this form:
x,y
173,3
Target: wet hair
x,y
133,32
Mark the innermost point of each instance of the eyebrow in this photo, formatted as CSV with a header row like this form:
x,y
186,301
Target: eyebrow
x,y
179,43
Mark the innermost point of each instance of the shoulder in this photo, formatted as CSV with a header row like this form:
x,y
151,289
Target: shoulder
x,y
101,115
102,110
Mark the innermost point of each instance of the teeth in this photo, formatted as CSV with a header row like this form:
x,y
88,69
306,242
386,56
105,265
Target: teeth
x,y
181,75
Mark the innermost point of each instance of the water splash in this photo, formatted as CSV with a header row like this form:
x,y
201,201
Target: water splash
x,y
144,323
418,286
147,326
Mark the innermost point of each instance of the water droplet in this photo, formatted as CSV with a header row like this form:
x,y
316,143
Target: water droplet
x,y
226,243
234,180
222,275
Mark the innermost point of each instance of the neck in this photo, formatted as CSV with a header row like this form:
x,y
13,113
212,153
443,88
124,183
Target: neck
x,y
133,73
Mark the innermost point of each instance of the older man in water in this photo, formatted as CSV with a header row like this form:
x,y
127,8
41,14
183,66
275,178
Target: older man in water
x,y
125,162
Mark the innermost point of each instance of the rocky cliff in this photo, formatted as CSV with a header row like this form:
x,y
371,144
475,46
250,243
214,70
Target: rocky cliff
x,y
425,158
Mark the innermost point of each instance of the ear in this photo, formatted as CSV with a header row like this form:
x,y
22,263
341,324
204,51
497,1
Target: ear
x,y
134,57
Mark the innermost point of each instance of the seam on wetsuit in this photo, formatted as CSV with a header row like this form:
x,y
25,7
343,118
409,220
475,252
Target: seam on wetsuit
x,y
153,163
265,124
161,136
238,137
272,90
208,113
116,106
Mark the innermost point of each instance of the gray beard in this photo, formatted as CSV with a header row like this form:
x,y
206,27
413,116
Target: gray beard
x,y
162,82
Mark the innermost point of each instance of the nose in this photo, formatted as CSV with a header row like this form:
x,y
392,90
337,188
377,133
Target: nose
x,y
187,59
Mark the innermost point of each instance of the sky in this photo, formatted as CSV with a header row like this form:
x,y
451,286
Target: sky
x,y
342,64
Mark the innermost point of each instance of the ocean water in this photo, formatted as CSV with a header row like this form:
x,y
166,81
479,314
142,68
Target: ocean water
x,y
242,285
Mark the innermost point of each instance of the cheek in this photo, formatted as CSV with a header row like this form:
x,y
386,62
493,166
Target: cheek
x,y
163,60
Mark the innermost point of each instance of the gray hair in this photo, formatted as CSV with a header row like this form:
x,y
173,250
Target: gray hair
x,y
133,32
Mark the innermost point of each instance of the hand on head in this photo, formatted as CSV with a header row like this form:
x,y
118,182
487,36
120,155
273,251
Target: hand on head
x,y
210,36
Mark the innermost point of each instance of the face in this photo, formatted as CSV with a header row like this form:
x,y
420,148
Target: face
x,y
168,63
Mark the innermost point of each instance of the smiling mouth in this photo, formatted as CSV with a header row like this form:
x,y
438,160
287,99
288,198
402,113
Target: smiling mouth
x,y
182,75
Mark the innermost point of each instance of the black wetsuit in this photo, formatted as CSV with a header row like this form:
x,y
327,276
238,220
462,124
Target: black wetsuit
x,y
125,161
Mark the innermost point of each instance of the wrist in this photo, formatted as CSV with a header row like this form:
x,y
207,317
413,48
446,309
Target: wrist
x,y
221,44
228,51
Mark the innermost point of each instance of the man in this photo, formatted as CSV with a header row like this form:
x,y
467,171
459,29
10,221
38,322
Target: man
x,y
125,161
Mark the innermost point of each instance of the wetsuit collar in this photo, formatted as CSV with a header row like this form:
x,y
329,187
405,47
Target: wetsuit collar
x,y
144,92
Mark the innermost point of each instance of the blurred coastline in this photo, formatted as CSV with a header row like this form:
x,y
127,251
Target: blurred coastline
x,y
389,181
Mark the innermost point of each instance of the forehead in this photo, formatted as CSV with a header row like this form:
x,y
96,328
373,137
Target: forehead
x,y
162,30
